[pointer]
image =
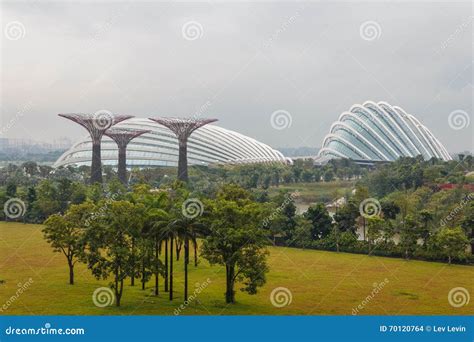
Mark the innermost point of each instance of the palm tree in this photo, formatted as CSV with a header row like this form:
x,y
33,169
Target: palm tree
x,y
168,234
160,220
187,229
157,207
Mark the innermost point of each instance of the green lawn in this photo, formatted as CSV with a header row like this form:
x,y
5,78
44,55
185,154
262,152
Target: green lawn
x,y
321,283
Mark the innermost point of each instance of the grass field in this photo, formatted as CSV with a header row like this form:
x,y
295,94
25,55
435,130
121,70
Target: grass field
x,y
321,283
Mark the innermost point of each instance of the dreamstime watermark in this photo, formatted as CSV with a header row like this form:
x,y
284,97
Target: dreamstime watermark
x,y
201,110
377,287
459,30
21,288
370,30
281,297
192,208
46,330
192,30
14,208
103,119
283,27
458,119
14,30
286,201
101,29
101,211
458,297
457,209
370,207
199,287
26,108
103,296
281,119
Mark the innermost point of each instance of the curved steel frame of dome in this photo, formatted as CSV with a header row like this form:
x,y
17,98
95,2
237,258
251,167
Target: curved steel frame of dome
x,y
208,145
379,132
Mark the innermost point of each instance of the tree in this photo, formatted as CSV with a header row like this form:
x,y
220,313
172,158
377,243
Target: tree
x,y
328,175
425,218
48,201
235,240
452,242
65,233
408,236
187,229
375,228
108,249
468,223
320,220
302,236
346,216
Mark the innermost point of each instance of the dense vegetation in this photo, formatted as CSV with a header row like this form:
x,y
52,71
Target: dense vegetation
x,y
409,208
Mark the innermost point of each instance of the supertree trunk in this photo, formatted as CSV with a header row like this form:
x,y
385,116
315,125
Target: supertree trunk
x,y
122,138
182,128
183,162
122,164
96,166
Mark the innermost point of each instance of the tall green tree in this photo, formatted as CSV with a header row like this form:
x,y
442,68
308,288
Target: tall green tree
x,y
65,233
452,242
235,240
108,241
320,220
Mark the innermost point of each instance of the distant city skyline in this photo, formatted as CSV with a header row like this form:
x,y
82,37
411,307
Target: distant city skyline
x,y
281,73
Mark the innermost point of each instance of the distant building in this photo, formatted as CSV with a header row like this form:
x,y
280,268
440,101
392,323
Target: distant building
x,y
375,132
210,144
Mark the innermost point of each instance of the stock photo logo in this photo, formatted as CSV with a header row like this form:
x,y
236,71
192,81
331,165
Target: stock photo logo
x,y
370,30
459,297
14,30
459,119
103,119
370,207
14,208
192,208
192,30
281,119
103,296
281,297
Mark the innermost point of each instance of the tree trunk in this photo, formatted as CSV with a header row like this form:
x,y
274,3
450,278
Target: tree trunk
x,y
183,161
71,273
179,245
118,288
171,267
229,293
195,255
143,274
166,265
122,165
449,259
156,270
132,282
186,262
96,167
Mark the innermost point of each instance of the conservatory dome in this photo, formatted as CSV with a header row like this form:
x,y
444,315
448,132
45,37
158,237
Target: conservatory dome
x,y
208,145
379,132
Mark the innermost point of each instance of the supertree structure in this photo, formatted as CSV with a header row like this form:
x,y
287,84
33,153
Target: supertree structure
x,y
183,128
122,137
96,124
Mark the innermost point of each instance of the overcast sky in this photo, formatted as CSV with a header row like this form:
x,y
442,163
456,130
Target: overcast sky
x,y
237,62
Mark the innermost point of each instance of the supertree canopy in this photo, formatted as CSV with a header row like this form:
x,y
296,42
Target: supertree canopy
x,y
122,137
96,124
183,128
